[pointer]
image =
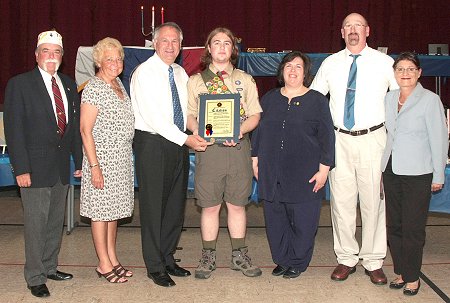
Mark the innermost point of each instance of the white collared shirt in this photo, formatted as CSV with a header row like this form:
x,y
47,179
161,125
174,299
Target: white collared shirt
x,y
48,84
152,98
375,75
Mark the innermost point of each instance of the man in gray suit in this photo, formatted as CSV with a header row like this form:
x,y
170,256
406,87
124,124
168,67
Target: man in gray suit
x,y
42,131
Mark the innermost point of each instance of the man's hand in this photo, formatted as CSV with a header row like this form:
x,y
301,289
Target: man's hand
x,y
24,180
230,143
197,143
77,173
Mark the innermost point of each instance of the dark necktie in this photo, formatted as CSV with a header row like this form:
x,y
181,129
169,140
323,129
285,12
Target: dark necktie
x,y
178,119
349,110
59,105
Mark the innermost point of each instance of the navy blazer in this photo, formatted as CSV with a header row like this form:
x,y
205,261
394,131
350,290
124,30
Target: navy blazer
x,y
417,136
290,143
34,146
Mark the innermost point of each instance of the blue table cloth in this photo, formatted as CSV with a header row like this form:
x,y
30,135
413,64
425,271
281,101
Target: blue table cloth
x,y
6,175
440,201
266,64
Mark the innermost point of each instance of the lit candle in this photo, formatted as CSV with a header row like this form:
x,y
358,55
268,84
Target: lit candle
x,y
162,14
142,16
153,17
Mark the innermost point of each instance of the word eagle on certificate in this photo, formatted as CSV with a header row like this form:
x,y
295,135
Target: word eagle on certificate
x,y
219,117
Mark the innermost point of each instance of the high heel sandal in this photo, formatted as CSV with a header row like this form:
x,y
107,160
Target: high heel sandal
x,y
111,277
122,271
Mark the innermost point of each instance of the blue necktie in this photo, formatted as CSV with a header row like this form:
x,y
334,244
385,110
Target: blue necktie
x,y
177,111
349,110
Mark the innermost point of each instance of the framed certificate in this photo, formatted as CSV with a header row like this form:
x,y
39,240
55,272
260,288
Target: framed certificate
x,y
219,118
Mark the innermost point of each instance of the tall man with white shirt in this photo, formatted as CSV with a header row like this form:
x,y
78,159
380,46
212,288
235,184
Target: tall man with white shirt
x,y
158,90
359,147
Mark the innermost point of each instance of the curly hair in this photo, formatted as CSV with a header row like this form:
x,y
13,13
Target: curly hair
x,y
107,43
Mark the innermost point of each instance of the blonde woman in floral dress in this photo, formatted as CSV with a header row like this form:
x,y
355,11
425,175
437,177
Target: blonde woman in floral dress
x,y
107,130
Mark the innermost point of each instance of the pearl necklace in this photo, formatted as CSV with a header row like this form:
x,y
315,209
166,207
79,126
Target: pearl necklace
x,y
401,104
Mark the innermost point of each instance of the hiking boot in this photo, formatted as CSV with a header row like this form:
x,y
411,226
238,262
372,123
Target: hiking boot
x,y
241,261
207,264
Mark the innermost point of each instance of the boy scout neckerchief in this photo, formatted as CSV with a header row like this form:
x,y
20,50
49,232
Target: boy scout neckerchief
x,y
214,82
215,85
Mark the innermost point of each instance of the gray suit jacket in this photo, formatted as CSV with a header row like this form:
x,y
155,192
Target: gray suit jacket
x,y
417,136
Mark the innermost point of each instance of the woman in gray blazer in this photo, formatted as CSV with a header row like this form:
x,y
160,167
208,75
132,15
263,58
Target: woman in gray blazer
x,y
413,166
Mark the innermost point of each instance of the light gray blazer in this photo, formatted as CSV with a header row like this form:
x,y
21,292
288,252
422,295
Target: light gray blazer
x,y
417,136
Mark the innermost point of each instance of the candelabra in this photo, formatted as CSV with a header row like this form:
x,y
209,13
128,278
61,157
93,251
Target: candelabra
x,y
142,22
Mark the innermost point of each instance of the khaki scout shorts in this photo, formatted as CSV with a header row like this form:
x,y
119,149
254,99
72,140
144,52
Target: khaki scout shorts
x,y
223,173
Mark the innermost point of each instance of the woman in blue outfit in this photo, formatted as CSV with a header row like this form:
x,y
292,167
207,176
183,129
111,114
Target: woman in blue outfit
x,y
413,166
292,152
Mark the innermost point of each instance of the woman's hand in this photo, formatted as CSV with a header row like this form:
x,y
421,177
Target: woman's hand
x,y
97,177
320,177
436,187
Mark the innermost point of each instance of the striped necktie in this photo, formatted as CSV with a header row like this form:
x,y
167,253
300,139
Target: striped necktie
x,y
59,105
178,119
349,109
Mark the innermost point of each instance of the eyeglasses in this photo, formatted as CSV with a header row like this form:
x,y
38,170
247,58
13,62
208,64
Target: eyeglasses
x,y
356,25
408,70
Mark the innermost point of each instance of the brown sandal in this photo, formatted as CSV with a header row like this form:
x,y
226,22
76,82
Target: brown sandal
x,y
111,277
122,271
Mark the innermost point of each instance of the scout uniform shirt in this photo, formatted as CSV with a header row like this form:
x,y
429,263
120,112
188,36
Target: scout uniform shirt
x,y
235,80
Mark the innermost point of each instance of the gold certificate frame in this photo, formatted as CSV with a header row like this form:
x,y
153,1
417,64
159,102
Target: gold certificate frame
x,y
219,119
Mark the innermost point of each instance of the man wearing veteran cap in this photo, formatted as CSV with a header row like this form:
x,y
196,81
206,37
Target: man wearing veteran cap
x,y
42,131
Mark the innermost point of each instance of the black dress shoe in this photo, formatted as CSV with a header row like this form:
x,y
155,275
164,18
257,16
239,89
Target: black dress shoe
x,y
279,270
60,276
177,271
411,292
291,273
161,279
39,291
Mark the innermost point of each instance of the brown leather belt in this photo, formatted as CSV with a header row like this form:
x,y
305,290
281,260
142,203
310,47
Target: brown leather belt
x,y
359,132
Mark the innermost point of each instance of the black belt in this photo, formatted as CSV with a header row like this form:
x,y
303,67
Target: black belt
x,y
359,132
